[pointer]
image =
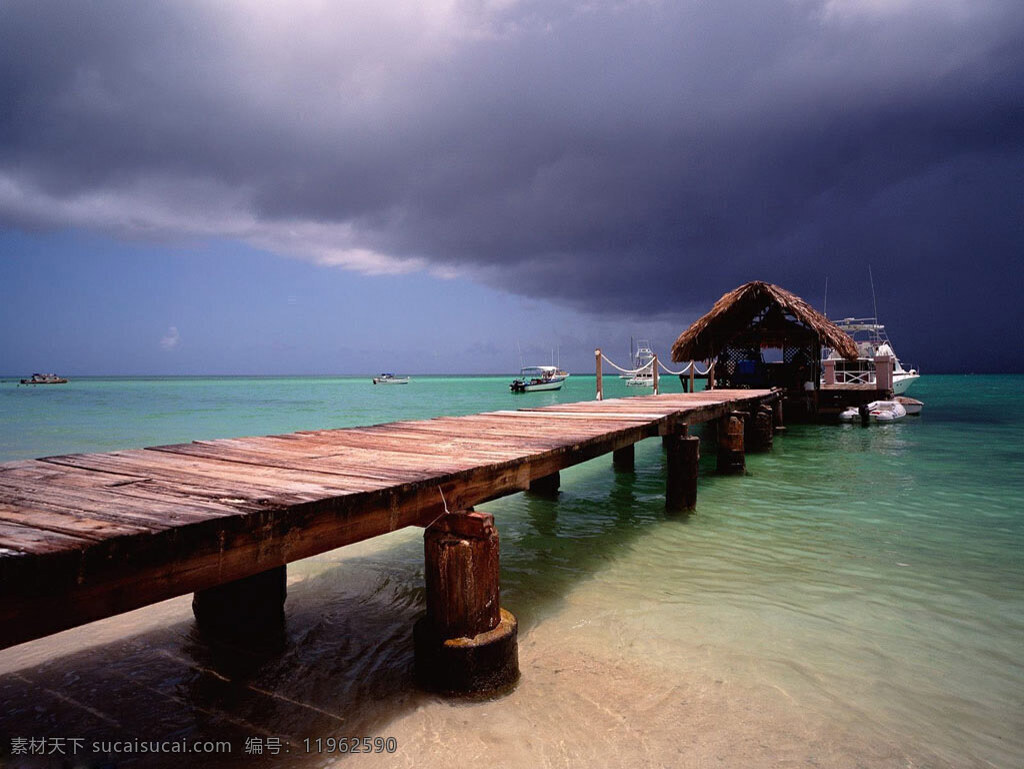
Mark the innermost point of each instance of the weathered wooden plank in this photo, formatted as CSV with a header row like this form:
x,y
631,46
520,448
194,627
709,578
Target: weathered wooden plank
x,y
73,524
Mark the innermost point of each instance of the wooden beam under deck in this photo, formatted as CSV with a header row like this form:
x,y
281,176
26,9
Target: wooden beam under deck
x,y
87,536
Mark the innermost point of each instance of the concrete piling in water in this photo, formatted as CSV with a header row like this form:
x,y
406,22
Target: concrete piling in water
x,y
466,642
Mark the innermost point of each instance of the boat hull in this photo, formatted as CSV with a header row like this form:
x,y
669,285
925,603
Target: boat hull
x,y
880,412
536,387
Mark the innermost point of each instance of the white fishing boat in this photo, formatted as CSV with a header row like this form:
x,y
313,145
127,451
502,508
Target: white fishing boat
x,y
537,378
390,379
643,366
877,411
871,340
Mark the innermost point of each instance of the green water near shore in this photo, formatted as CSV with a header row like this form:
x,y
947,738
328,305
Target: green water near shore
x,y
856,600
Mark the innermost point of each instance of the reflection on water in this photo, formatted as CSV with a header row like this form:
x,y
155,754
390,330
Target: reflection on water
x,y
855,600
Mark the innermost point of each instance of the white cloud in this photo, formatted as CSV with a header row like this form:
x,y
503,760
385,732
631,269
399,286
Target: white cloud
x,y
171,339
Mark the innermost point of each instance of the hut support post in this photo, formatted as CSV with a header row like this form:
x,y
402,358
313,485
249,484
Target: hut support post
x,y
624,459
691,376
244,608
466,642
731,456
597,364
760,433
683,455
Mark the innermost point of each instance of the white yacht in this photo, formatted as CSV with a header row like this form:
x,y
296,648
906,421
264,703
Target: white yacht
x,y
643,365
871,340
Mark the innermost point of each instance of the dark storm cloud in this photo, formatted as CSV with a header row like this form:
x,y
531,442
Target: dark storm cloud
x,y
634,158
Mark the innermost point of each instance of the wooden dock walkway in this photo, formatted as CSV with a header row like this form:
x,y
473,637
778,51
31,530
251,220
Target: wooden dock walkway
x,y
87,536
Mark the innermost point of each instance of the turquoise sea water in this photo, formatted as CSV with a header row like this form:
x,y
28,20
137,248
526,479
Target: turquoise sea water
x,y
857,599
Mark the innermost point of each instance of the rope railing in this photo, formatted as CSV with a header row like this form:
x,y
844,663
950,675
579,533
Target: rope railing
x,y
633,371
686,369
651,368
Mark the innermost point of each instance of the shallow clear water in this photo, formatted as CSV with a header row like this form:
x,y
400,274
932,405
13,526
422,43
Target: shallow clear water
x,y
857,599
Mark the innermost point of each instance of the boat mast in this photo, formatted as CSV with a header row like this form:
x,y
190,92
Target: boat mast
x,y
874,304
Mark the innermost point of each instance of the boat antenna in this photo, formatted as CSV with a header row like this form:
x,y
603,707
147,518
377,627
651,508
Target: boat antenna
x,y
874,304
824,309
518,347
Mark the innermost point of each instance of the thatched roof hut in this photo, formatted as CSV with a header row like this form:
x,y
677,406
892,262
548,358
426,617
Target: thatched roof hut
x,y
774,315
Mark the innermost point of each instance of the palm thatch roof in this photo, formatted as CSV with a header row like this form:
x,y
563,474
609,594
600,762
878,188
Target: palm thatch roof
x,y
735,312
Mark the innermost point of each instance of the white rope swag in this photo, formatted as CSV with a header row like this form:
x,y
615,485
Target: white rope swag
x,y
633,371
692,365
643,369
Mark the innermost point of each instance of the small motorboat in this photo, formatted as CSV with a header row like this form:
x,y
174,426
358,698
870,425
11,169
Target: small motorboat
x,y
912,405
390,379
535,378
876,411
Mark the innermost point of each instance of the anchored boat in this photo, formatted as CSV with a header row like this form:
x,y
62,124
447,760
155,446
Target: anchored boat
x,y
534,378
876,411
44,379
390,379
871,340
643,366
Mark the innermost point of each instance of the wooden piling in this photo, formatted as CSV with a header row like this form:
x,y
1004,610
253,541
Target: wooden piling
x,y
624,459
244,608
731,457
681,477
466,642
760,434
777,415
546,485
654,363
600,383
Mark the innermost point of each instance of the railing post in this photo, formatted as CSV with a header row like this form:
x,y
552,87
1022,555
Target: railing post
x,y
830,371
692,367
600,387
655,364
883,372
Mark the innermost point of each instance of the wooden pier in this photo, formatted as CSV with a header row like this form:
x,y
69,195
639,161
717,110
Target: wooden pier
x,y
87,536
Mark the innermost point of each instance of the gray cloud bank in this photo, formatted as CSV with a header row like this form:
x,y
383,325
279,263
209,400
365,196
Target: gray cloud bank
x,y
621,157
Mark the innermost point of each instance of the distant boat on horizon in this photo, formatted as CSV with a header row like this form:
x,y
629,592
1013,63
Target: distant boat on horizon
x,y
44,379
391,379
